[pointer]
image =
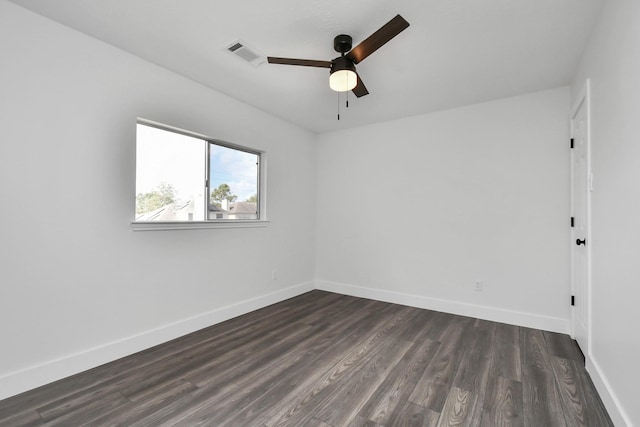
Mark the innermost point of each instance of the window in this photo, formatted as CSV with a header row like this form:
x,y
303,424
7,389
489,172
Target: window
x,y
185,177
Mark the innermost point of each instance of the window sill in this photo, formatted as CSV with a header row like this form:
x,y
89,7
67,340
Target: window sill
x,y
195,225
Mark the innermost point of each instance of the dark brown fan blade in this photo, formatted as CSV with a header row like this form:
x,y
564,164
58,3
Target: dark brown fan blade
x,y
360,89
376,40
303,62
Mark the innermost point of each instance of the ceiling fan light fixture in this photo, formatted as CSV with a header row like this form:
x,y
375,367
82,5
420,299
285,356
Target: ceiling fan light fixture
x,y
343,76
343,80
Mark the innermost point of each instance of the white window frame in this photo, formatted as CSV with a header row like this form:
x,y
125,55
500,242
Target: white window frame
x,y
211,223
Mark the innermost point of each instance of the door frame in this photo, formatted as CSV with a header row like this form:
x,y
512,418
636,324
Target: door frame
x,y
583,100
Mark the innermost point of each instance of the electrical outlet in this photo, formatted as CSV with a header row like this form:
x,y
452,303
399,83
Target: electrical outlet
x,y
478,285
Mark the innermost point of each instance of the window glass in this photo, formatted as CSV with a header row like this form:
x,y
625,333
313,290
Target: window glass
x,y
172,183
233,178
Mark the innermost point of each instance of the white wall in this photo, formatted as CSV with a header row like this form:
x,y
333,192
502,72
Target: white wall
x,y
416,210
78,286
612,62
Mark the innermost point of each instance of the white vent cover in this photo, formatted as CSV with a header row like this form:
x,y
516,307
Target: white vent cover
x,y
246,53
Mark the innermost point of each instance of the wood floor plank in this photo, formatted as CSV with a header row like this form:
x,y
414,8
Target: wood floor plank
x,y
572,397
421,327
362,422
474,367
66,387
386,402
506,357
540,395
78,401
26,418
572,392
412,415
563,346
472,375
596,410
439,323
459,409
505,365
503,407
314,422
86,413
329,360
433,387
345,404
146,404
311,395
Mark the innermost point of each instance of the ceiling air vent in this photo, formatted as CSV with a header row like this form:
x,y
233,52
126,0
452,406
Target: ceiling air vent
x,y
246,53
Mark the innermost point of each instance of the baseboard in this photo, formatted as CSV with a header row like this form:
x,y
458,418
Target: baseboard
x,y
609,398
529,320
35,376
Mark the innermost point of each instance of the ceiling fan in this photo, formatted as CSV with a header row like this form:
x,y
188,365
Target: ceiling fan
x,y
343,75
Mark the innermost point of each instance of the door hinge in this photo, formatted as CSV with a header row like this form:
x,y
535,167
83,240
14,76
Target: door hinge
x,y
573,300
573,222
571,142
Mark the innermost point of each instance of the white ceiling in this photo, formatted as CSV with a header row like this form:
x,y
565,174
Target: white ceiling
x,y
456,52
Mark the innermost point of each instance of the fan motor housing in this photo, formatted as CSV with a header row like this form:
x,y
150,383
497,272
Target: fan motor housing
x,y
342,63
342,43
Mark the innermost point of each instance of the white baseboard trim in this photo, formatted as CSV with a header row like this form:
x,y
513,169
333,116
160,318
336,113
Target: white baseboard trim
x,y
609,398
35,376
501,315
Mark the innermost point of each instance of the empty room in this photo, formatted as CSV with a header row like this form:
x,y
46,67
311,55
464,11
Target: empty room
x,y
319,213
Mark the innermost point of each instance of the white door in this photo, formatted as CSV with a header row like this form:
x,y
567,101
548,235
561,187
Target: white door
x,y
580,232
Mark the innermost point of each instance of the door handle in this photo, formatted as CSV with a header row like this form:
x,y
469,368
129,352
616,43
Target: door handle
x,y
581,242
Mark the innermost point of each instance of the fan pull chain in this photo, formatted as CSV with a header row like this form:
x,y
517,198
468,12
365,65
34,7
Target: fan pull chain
x,y
347,99
338,105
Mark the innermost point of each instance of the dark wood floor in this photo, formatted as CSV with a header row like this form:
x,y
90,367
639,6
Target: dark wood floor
x,y
323,359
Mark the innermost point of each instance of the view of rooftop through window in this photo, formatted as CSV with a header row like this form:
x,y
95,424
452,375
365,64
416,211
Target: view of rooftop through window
x,y
171,180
